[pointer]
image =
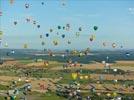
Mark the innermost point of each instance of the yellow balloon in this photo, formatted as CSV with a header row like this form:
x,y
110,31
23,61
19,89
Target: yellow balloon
x,y
81,77
25,46
74,75
1,33
55,42
114,94
93,36
108,94
46,64
99,85
86,77
98,94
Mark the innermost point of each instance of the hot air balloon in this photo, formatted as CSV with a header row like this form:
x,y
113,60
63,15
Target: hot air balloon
x,y
42,3
81,77
26,5
50,53
104,44
38,26
63,2
55,42
80,54
34,22
57,33
86,77
63,35
42,43
67,51
12,51
59,27
121,46
46,63
28,19
127,54
114,94
67,27
87,51
80,28
92,37
69,42
1,33
15,22
114,45
51,30
41,36
74,75
6,45
95,28
8,53
62,55
63,27
47,35
77,34
25,46
108,94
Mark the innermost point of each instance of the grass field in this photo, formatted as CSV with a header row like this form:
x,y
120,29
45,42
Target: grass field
x,y
38,73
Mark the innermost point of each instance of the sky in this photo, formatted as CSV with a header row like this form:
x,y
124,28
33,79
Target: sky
x,y
114,18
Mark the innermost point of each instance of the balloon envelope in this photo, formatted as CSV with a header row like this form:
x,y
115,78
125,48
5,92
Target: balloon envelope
x,y
55,42
25,46
59,27
1,33
63,35
47,35
80,28
26,5
42,43
15,22
113,45
74,75
95,28
51,30
38,26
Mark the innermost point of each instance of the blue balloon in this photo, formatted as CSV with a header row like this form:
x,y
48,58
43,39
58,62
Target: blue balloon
x,y
63,35
47,35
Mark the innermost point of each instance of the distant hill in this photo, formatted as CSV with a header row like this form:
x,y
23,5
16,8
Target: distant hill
x,y
98,55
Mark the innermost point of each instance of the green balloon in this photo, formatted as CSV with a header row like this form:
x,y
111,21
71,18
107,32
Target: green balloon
x,y
95,28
